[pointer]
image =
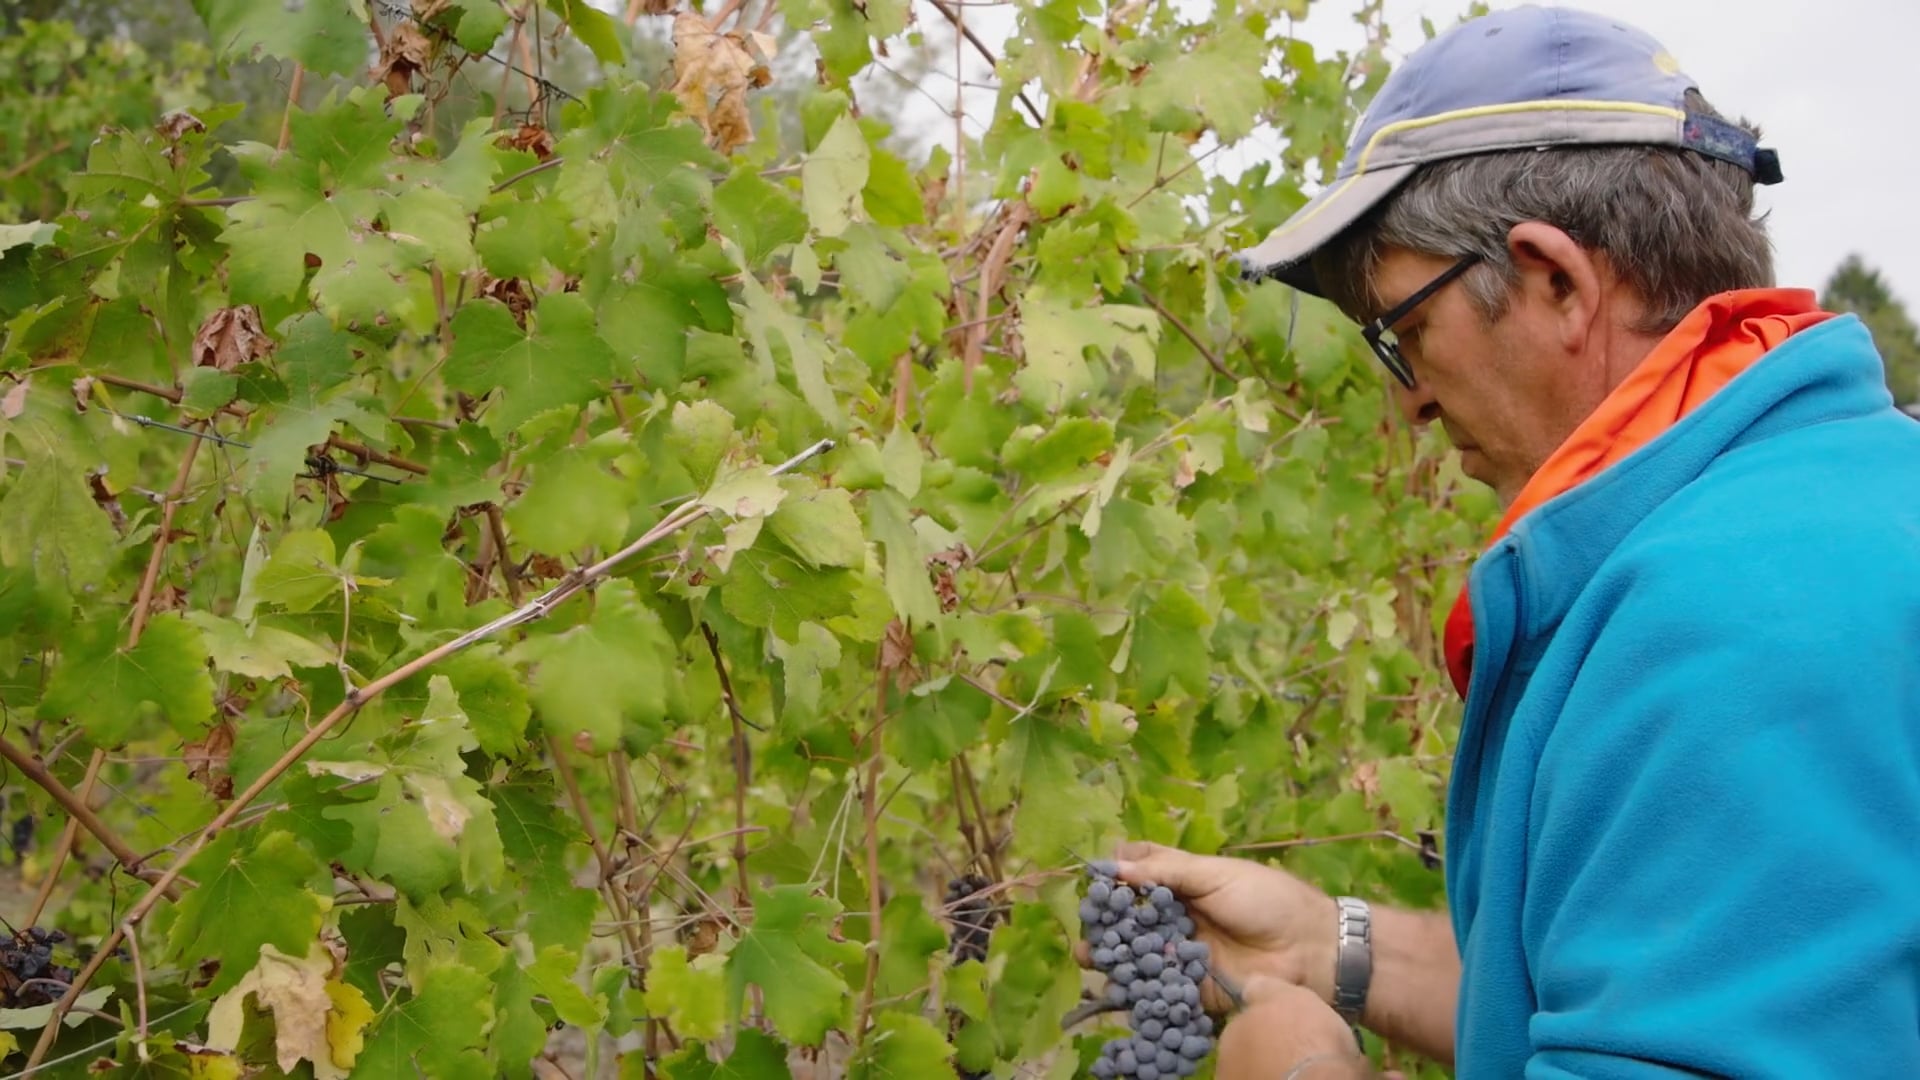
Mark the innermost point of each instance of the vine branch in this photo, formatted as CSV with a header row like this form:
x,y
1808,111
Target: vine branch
x,y
535,609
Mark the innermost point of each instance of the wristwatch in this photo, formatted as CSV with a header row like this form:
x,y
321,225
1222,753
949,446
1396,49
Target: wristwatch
x,y
1353,963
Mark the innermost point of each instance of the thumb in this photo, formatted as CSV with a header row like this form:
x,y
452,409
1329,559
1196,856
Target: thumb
x,y
1186,874
1265,989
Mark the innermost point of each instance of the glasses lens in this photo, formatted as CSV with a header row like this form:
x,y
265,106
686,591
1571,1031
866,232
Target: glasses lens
x,y
1387,347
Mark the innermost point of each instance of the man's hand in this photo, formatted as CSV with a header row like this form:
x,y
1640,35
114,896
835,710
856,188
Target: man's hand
x,y
1287,1031
1257,920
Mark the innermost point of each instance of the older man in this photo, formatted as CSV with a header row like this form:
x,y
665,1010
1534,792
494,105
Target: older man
x,y
1683,830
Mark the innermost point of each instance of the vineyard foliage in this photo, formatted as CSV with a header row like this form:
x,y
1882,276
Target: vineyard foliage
x,y
1103,542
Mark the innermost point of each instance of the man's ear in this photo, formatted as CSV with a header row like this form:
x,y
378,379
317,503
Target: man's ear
x,y
1558,278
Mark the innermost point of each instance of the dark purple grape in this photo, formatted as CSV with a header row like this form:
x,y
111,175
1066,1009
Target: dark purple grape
x,y
1103,958
1116,994
1105,868
1196,970
1099,891
1203,1023
1151,1029
1129,1062
1151,941
1178,1014
1127,928
1089,913
1151,965
1195,1047
1123,951
1184,925
1109,937
1190,950
1148,1071
1161,897
1120,899
1147,916
1166,1061
1123,973
1172,1038
1102,1069
1158,1007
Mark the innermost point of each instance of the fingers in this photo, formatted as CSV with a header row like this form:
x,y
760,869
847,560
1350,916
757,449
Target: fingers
x,y
1189,875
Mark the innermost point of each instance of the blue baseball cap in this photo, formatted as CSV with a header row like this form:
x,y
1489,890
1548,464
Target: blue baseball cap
x,y
1521,79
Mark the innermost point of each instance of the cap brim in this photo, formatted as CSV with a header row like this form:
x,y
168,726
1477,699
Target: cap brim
x,y
1287,252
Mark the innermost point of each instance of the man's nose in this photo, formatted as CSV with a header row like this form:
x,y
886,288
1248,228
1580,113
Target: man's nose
x,y
1417,404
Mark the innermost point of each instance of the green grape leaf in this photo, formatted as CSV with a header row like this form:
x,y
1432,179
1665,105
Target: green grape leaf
x,y
758,216
1170,646
690,994
259,652
481,23
49,522
301,573
248,896
438,1032
571,502
1059,812
787,953
756,1056
773,590
494,699
891,198
552,973
108,689
902,1046
833,176
557,360
768,323
595,29
701,433
519,1033
1057,335
906,562
316,362
604,684
328,36
909,938
940,720
822,528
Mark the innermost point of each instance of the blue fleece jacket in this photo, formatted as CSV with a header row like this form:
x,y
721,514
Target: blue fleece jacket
x,y
1684,821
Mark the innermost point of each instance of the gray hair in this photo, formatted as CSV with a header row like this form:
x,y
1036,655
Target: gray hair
x,y
1676,226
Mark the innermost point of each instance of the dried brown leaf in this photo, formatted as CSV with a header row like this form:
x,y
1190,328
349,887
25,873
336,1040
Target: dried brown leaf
x,y
404,54
231,337
711,75
15,401
207,760
532,138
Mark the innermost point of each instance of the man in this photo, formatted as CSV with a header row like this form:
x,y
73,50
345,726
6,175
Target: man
x,y
1683,828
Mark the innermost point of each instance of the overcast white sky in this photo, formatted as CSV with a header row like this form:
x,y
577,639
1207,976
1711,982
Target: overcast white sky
x,y
1827,80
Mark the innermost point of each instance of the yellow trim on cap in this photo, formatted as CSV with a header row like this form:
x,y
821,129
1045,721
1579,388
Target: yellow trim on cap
x,y
1360,170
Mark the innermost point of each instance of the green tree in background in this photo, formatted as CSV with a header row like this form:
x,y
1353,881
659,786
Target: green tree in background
x,y
1858,288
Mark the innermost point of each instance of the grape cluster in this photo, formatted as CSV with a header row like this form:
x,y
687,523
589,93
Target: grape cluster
x,y
28,975
973,917
1143,942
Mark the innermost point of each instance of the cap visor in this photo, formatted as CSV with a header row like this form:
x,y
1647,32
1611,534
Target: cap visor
x,y
1287,252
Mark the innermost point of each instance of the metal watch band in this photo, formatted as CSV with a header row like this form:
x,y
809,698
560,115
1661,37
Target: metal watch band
x,y
1353,963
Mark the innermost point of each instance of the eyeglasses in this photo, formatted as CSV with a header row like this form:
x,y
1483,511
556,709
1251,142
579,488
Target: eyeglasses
x,y
1379,332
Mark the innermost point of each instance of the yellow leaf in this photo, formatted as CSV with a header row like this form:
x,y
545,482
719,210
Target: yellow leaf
x,y
312,1021
208,1065
8,1044
347,1022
